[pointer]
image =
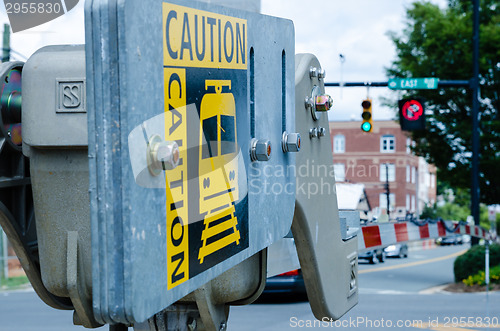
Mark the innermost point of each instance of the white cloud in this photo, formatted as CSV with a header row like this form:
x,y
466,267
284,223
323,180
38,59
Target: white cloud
x,y
358,30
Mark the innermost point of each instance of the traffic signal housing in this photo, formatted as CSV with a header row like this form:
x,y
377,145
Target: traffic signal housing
x,y
412,114
366,115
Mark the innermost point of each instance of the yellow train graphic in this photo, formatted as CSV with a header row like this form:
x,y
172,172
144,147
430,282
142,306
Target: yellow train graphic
x,y
218,169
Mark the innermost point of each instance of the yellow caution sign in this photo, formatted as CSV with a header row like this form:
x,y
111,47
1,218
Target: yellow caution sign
x,y
176,185
205,60
197,38
218,168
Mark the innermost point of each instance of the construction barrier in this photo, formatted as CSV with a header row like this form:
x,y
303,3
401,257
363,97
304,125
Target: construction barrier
x,y
385,234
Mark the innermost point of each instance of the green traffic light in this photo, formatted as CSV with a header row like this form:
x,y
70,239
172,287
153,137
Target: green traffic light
x,y
366,127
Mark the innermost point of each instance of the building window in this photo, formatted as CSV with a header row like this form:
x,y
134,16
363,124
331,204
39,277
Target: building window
x,y
339,170
392,172
383,201
339,144
413,203
432,180
408,145
407,202
408,173
387,144
413,175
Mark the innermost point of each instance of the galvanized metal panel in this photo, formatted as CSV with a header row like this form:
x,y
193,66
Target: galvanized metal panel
x,y
328,261
127,98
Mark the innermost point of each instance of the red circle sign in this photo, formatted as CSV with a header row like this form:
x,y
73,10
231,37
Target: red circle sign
x,y
412,110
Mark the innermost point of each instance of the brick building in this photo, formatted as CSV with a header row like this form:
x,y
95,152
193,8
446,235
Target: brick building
x,y
372,158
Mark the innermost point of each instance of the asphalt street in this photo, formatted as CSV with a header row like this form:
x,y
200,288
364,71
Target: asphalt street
x,y
406,292
393,293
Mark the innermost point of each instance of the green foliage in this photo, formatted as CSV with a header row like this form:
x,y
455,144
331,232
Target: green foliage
x,y
452,211
429,212
449,211
480,277
498,224
473,260
437,43
14,282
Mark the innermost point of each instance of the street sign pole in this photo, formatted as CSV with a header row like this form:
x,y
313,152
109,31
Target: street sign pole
x,y
475,120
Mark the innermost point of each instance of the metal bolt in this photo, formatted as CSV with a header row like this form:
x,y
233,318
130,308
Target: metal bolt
x,y
191,324
313,133
323,102
290,142
309,102
321,73
321,132
260,150
162,155
313,72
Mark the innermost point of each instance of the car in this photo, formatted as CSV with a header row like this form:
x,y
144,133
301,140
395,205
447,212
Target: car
x,y
397,250
291,282
373,256
455,239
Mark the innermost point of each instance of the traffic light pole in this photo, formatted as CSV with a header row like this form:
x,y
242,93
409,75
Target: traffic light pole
x,y
475,118
6,43
387,191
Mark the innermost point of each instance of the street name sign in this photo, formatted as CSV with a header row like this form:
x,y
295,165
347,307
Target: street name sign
x,y
429,83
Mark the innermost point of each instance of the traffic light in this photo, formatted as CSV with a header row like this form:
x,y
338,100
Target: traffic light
x,y
412,114
367,124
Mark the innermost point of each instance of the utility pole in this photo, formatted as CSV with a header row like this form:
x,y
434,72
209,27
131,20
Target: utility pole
x,y
387,191
475,119
6,43
4,263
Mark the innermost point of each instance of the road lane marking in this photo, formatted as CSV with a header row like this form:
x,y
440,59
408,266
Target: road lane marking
x,y
412,264
442,327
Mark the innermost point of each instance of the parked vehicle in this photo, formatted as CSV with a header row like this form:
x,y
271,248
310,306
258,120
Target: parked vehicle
x,y
455,239
373,256
397,250
288,282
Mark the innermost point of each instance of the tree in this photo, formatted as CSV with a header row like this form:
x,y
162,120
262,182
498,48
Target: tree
x,y
438,43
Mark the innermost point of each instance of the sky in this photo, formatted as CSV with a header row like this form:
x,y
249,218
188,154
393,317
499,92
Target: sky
x,y
357,29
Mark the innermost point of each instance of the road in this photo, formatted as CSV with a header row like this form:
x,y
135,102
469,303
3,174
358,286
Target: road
x,y
422,270
396,291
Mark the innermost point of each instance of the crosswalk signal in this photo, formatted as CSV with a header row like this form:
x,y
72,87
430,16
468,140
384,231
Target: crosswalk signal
x,y
367,124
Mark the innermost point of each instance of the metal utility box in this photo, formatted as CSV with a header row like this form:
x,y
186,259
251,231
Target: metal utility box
x,y
219,82
54,118
55,140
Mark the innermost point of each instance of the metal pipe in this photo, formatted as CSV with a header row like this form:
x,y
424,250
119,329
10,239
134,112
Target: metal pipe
x,y
475,193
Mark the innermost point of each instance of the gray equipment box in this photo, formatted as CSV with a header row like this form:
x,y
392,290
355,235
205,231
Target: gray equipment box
x,y
55,140
179,71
